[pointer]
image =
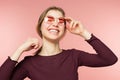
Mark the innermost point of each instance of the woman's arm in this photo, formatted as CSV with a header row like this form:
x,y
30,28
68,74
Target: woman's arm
x,y
104,56
8,68
31,43
10,71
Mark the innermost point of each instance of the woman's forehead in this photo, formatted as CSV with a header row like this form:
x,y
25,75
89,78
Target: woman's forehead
x,y
54,13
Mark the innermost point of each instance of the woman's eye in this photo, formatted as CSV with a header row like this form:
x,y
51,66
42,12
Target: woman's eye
x,y
61,20
50,19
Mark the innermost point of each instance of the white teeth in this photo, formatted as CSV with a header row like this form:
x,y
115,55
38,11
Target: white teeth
x,y
53,30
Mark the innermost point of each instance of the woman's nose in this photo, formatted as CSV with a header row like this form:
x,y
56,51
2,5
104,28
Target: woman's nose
x,y
55,23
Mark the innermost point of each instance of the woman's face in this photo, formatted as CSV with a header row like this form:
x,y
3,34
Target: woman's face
x,y
53,26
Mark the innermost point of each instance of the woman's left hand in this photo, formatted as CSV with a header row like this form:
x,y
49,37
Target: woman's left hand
x,y
76,27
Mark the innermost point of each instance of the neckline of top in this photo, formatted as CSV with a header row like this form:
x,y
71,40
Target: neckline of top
x,y
58,54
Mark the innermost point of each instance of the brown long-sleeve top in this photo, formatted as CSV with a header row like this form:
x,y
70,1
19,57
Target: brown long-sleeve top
x,y
62,66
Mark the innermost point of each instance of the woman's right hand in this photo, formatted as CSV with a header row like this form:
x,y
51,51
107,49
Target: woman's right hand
x,y
31,43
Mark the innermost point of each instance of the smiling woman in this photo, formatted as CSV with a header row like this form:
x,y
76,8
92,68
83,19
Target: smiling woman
x,y
53,29
50,61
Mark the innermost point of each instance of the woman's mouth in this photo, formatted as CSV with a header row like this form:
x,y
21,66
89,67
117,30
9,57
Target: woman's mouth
x,y
54,31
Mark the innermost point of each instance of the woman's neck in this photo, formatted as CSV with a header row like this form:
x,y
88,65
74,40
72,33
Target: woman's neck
x,y
50,48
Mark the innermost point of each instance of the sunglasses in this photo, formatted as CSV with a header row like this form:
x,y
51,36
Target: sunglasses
x,y
51,20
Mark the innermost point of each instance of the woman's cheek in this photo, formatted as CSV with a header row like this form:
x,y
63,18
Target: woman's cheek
x,y
63,28
44,26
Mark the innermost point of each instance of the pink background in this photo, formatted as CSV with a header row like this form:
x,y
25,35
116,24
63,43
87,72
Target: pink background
x,y
18,19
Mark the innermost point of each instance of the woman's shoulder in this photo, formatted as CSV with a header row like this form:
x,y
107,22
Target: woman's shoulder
x,y
74,52
28,58
26,61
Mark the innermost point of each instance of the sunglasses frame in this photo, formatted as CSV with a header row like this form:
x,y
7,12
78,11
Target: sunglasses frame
x,y
51,20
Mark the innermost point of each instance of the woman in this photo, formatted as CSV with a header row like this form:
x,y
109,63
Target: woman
x,y
51,62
